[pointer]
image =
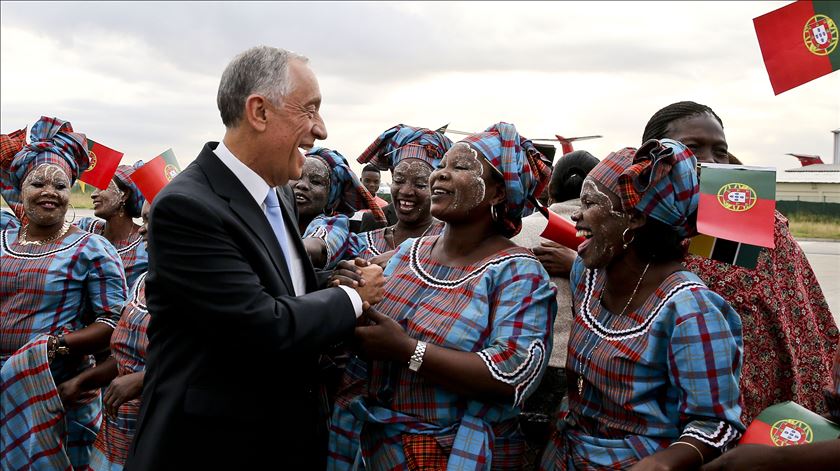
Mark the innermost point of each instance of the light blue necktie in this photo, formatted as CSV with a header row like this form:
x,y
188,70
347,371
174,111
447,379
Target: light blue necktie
x,y
275,218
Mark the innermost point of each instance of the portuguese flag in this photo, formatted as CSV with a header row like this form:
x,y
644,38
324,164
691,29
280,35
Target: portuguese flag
x,y
799,42
103,164
788,423
737,203
152,176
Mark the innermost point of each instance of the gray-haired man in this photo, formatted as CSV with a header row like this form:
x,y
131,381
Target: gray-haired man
x,y
237,320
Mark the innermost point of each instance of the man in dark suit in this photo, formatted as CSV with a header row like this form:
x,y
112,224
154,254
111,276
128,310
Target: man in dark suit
x,y
237,320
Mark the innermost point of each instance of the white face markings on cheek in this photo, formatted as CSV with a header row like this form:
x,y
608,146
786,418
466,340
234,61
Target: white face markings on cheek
x,y
602,199
468,159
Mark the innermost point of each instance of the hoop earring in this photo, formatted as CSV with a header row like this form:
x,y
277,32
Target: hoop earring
x,y
494,214
626,243
73,219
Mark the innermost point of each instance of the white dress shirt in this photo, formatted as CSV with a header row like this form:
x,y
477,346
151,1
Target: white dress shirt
x,y
258,189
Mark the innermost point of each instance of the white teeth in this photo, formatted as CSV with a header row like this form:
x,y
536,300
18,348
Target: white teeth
x,y
440,192
584,233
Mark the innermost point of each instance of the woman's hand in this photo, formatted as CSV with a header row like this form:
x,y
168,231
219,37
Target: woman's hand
x,y
72,392
348,273
555,258
384,339
383,258
121,390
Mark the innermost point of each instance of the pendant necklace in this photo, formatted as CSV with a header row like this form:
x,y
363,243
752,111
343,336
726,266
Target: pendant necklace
x,y
22,240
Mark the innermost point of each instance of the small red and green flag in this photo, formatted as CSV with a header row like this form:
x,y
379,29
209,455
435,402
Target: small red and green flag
x,y
152,176
103,164
799,42
788,423
737,203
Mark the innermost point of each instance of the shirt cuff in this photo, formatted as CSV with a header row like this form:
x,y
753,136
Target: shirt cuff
x,y
354,298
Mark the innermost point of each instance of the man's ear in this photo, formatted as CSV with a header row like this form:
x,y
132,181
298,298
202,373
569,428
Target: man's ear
x,y
637,220
255,112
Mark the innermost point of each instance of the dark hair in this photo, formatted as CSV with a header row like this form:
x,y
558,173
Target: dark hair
x,y
501,209
659,242
129,208
370,168
567,176
657,126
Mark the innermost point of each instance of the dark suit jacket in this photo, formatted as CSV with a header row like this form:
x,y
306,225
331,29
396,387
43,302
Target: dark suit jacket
x,y
369,223
232,376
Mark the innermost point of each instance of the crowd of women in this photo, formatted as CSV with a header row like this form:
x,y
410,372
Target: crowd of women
x,y
466,362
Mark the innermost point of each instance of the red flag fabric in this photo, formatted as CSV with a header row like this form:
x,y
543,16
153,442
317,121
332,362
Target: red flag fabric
x,y
103,164
799,42
153,176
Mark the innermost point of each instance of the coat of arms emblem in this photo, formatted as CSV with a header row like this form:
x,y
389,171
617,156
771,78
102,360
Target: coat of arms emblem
x,y
820,35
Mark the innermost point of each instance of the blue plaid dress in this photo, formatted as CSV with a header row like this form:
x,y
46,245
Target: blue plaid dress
x,y
335,232
667,370
57,287
8,220
132,250
501,308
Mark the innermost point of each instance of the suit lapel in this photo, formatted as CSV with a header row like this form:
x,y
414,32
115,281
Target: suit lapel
x,y
289,209
226,185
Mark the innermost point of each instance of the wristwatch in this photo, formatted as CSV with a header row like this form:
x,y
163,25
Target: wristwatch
x,y
57,345
416,359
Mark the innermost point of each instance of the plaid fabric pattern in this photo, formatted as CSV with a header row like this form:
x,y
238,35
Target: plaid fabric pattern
x,y
54,287
335,232
8,220
659,180
128,347
10,145
667,370
502,308
36,431
406,142
123,174
347,194
373,243
520,163
132,251
52,141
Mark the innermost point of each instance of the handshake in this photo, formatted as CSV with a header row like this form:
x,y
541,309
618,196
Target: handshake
x,y
366,278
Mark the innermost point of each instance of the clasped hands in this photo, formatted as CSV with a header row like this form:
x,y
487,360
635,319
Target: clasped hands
x,y
377,336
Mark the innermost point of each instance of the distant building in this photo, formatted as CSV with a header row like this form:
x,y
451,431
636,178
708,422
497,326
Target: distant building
x,y
815,183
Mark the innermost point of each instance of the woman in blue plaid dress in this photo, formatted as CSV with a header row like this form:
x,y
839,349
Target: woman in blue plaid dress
x,y
115,209
326,195
654,356
61,291
464,332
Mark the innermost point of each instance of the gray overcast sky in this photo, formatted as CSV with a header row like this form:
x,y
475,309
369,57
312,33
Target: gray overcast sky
x,y
142,76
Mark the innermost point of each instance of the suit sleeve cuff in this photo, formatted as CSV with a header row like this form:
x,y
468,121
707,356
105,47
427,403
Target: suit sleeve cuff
x,y
354,298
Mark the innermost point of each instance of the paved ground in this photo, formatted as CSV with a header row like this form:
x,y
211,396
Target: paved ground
x,y
823,255
825,259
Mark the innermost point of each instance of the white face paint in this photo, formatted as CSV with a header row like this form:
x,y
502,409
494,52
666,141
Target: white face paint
x,y
466,159
601,224
45,193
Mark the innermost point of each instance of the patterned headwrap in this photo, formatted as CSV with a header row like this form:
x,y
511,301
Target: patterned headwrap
x,y
347,194
523,167
52,141
405,142
659,180
135,204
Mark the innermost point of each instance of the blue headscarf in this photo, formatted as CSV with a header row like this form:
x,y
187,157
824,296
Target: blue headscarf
x,y
522,166
347,194
52,141
406,142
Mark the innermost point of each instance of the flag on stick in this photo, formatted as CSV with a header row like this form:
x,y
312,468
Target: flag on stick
x,y
152,176
737,203
799,42
103,164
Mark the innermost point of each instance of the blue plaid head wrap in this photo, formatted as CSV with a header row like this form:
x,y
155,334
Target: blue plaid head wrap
x,y
52,141
521,165
406,142
659,180
347,194
123,174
